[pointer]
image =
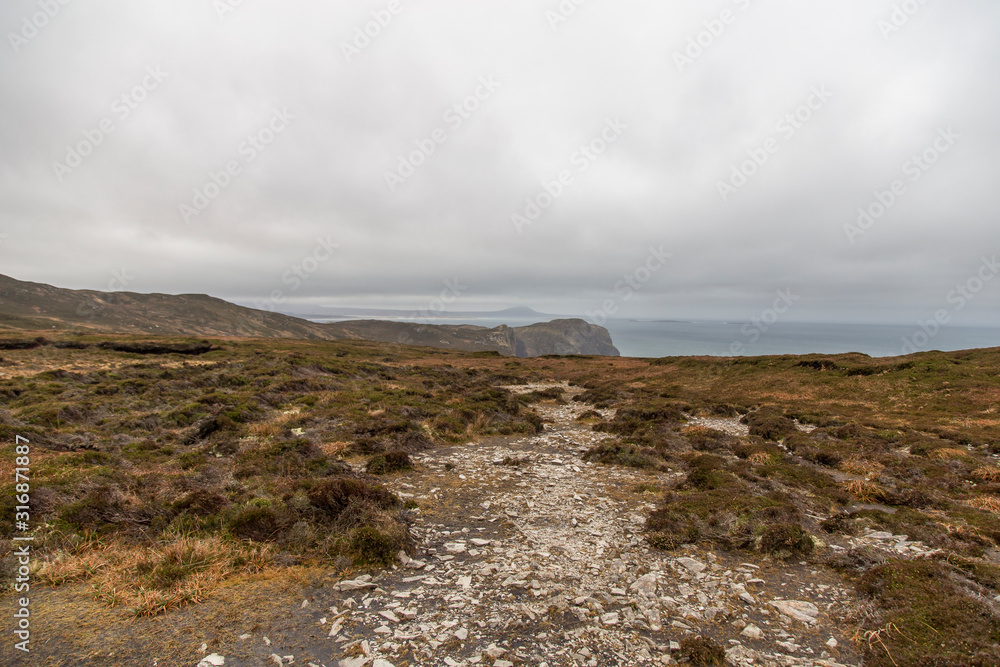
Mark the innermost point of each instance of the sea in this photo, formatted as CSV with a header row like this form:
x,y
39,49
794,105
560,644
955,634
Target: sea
x,y
668,338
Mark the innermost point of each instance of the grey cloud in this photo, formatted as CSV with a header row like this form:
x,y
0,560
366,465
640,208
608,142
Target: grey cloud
x,y
656,185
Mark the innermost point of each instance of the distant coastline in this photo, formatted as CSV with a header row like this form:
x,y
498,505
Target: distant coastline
x,y
681,338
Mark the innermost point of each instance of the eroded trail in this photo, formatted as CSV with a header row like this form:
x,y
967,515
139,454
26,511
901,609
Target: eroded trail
x,y
527,555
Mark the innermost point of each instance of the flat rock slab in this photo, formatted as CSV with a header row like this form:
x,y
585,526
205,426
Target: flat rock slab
x,y
805,612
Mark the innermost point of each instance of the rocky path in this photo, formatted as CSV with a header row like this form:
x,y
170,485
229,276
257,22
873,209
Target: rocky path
x,y
524,554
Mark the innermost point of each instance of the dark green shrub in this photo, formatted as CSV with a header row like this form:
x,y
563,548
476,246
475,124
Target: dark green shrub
x,y
257,523
622,454
770,425
373,547
786,540
333,496
101,507
201,503
840,524
702,652
383,464
933,618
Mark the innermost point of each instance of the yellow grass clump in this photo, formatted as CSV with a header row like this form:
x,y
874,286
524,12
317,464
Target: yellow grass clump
x,y
987,473
865,491
698,430
988,503
948,453
861,467
153,580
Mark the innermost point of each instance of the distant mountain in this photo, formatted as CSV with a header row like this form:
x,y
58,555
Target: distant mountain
x,y
37,306
27,305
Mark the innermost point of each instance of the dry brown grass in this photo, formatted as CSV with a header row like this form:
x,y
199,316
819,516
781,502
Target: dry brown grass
x,y
272,427
152,580
988,503
335,450
962,531
481,421
760,458
264,430
987,473
861,466
698,430
864,491
948,453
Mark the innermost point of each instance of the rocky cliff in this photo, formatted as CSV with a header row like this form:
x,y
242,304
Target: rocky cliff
x,y
562,337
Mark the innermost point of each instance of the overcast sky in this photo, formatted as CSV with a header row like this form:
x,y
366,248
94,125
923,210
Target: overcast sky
x,y
318,124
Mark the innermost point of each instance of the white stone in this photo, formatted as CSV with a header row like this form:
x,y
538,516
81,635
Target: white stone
x,y
806,612
646,585
692,565
495,651
214,660
752,631
832,643
355,585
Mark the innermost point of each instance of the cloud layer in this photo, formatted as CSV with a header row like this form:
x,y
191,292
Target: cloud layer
x,y
363,153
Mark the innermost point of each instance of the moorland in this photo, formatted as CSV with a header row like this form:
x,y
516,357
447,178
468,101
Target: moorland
x,y
171,472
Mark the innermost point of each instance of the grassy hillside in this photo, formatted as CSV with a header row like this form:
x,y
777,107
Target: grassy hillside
x,y
163,467
27,306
